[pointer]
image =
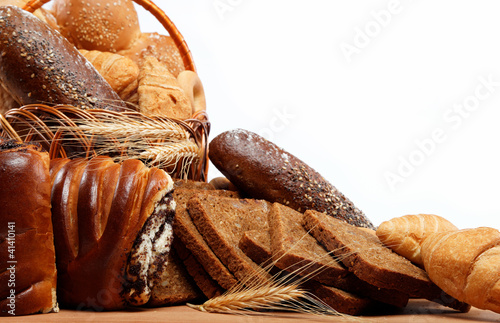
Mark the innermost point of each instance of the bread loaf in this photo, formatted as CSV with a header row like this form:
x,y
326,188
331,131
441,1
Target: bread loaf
x,y
38,65
263,170
160,93
158,46
28,276
105,25
405,234
466,265
112,225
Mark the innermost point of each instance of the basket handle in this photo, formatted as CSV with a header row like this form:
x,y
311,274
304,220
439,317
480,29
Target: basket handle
x,y
174,33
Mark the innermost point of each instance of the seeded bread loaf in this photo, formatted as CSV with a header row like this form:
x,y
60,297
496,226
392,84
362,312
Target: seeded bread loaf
x,y
262,170
222,221
188,234
38,65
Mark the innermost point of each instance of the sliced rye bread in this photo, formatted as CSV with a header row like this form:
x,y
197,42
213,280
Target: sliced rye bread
x,y
367,257
256,244
190,184
341,301
208,286
188,234
177,286
294,250
222,221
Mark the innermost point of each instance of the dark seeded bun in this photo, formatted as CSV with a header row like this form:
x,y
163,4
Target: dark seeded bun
x,y
264,171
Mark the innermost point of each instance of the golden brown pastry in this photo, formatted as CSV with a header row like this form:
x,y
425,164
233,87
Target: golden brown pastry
x,y
466,265
112,231
106,25
405,234
160,93
120,72
159,46
28,267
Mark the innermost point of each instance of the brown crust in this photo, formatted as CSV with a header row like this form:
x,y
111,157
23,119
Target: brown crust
x,y
186,231
38,65
25,201
264,171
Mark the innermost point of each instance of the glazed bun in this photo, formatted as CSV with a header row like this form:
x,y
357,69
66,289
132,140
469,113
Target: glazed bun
x,y
106,25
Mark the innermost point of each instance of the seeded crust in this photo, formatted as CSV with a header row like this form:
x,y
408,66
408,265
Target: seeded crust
x,y
256,244
264,171
39,65
188,234
367,257
222,221
175,287
209,287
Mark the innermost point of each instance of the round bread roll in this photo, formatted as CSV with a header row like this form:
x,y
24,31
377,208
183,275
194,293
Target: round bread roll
x,y
160,47
191,84
106,25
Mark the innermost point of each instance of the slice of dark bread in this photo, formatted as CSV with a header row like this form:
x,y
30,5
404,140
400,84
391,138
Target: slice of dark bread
x,y
188,234
190,184
341,301
177,286
296,251
222,221
256,244
208,286
367,257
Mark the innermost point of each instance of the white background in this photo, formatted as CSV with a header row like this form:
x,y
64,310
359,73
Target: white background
x,y
277,68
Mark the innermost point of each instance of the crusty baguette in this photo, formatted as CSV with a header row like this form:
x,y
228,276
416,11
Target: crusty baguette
x,y
405,234
38,65
466,265
263,170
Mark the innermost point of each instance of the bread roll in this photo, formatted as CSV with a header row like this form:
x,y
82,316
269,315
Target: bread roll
x,y
112,225
466,265
263,170
105,25
192,87
120,72
158,46
28,276
160,93
405,234
38,65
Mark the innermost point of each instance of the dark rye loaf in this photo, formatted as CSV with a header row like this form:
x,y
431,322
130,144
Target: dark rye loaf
x,y
222,221
264,171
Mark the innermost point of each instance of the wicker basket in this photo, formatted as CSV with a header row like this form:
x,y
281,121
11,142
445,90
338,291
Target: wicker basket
x,y
39,122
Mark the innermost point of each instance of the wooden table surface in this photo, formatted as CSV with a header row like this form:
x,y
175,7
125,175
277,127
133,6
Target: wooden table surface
x,y
416,311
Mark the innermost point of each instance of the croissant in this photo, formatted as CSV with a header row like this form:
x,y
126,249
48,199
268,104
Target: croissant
x,y
404,234
466,265
28,275
120,72
112,231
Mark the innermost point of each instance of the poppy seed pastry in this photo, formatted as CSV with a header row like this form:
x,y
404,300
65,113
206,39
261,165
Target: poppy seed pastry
x,y
265,171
